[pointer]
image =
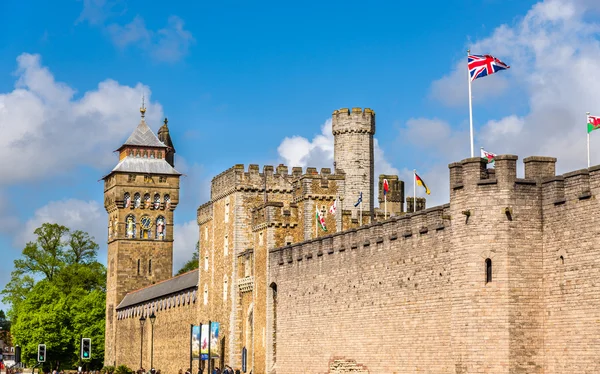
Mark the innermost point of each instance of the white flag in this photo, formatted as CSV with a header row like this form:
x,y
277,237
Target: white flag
x,y
333,207
488,155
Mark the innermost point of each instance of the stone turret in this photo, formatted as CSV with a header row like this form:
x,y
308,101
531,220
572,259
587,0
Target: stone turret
x,y
395,195
163,136
353,132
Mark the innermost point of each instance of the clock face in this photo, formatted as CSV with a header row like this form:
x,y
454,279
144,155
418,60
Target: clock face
x,y
146,222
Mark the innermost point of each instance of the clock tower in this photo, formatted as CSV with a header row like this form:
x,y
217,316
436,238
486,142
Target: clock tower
x,y
140,196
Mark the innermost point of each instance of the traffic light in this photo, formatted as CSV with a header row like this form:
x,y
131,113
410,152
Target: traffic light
x,y
86,348
41,352
17,355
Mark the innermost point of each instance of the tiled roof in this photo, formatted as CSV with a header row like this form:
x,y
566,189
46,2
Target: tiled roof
x,y
145,165
170,286
144,136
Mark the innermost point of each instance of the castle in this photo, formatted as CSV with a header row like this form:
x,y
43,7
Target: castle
x,y
503,279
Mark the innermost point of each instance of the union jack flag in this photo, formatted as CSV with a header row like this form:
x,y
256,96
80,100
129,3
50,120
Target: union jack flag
x,y
483,65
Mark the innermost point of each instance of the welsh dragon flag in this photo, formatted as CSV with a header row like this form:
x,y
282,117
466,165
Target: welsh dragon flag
x,y
593,123
488,155
321,220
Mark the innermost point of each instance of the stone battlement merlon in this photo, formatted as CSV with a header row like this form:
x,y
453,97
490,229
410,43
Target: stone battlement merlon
x,y
276,179
574,186
204,212
426,222
356,120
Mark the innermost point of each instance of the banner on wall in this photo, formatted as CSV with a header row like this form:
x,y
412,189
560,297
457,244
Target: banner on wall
x,y
204,342
214,340
195,342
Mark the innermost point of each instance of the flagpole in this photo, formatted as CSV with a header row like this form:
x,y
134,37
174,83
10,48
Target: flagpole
x,y
385,206
360,209
316,223
470,105
588,142
414,190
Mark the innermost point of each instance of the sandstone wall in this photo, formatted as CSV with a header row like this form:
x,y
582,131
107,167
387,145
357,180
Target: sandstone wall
x,y
174,316
378,295
571,272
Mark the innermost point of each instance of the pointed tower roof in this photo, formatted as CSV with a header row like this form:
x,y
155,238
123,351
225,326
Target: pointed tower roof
x,y
144,136
164,137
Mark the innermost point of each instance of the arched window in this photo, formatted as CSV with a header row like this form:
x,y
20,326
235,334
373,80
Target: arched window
x,y
137,200
137,154
161,228
145,154
147,201
224,288
130,226
146,224
562,260
488,270
127,200
156,201
167,202
205,294
151,154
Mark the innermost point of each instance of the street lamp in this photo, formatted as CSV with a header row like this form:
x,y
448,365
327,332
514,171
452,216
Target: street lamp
x,y
152,319
142,321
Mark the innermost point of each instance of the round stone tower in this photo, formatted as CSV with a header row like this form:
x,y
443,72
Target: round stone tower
x,y
353,154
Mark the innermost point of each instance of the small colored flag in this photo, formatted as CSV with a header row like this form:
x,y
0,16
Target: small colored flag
x,y
386,187
421,183
321,220
593,123
484,65
333,207
359,200
490,156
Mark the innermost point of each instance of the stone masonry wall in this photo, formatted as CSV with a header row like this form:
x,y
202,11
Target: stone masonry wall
x,y
171,351
373,295
572,272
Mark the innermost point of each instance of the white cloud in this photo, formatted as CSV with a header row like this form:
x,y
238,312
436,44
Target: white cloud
x,y
97,11
168,44
185,237
299,151
88,216
52,131
553,52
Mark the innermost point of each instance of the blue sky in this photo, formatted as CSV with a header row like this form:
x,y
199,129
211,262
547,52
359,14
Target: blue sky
x,y
256,83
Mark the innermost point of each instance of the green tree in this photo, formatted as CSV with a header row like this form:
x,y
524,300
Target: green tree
x,y
57,294
193,263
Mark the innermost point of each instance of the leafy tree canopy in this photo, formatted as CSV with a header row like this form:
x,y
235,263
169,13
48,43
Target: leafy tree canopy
x,y
57,296
193,263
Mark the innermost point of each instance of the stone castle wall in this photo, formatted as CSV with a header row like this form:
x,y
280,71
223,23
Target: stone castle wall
x,y
369,294
411,294
571,272
174,316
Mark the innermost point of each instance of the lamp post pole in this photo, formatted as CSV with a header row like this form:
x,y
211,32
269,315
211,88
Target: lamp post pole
x,y
142,321
152,319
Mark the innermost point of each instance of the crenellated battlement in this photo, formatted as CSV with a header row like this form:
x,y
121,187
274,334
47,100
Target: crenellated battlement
x,y
275,214
407,227
571,187
204,213
277,179
356,120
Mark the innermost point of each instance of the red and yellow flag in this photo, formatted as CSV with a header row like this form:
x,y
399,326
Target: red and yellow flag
x,y
421,183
